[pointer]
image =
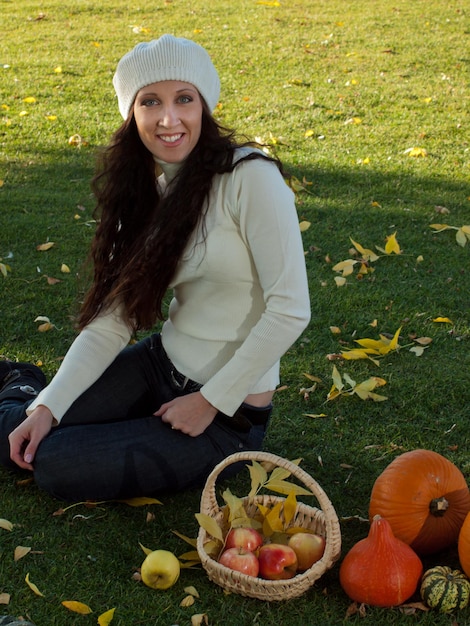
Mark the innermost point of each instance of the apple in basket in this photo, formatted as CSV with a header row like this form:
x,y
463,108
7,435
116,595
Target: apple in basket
x,y
308,547
247,538
277,561
240,560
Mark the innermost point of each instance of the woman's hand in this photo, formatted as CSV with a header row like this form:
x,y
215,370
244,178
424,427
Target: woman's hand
x,y
26,437
191,414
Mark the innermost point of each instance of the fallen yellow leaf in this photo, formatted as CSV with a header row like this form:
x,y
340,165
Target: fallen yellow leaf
x,y
106,618
32,586
77,607
444,320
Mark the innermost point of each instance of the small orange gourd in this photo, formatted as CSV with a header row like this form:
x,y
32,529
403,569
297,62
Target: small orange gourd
x,y
425,498
464,546
380,570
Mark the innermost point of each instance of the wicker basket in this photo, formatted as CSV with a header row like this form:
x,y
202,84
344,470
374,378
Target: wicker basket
x,y
323,521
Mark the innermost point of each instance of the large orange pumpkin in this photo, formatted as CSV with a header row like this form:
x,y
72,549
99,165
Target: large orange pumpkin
x,y
425,498
464,546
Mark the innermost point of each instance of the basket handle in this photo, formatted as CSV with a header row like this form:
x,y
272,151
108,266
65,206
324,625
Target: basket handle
x,y
209,502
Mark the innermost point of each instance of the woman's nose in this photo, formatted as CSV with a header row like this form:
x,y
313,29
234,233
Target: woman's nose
x,y
168,117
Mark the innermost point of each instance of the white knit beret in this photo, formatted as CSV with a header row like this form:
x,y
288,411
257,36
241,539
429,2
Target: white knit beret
x,y
167,58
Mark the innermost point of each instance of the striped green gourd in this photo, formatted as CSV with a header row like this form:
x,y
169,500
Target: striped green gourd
x,y
445,589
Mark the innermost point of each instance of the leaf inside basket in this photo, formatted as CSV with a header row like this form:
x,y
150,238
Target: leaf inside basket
x,y
210,526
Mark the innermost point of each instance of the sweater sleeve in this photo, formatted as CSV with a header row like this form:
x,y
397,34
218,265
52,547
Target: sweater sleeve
x,y
92,351
269,226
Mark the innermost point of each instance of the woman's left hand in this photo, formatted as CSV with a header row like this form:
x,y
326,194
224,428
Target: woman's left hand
x,y
191,414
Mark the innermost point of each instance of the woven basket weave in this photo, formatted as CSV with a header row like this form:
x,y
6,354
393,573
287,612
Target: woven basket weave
x,y
322,521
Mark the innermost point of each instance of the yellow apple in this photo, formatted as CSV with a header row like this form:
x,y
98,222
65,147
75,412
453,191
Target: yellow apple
x,y
308,547
160,569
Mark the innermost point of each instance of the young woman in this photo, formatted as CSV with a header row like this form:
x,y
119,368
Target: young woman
x,y
180,206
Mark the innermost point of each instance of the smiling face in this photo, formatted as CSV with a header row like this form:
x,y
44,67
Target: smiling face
x,y
168,115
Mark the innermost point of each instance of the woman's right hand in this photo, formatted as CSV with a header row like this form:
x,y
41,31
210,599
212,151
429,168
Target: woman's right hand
x,y
26,437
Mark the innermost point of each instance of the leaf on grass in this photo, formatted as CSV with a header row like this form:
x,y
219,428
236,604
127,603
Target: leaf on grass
x,y
200,619
65,269
337,380
5,524
192,591
315,379
21,551
304,225
45,246
77,607
5,598
106,618
187,602
340,281
366,254
192,542
392,246
32,586
140,501
345,267
210,526
423,341
364,390
439,227
4,269
418,350
416,152
315,415
461,237
444,320
52,281
146,551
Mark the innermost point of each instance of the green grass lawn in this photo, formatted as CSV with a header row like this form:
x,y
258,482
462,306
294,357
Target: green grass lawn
x,y
345,94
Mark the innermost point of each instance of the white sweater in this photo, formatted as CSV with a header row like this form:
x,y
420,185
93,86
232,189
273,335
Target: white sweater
x,y
240,298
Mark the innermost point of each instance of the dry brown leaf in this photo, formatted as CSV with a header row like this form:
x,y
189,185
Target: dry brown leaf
x,y
5,598
187,601
410,608
21,551
45,246
5,524
423,341
192,591
199,619
52,281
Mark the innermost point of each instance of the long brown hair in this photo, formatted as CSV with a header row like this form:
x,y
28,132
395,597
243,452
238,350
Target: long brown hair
x,y
141,235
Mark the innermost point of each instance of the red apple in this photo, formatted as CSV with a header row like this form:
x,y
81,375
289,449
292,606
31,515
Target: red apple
x,y
308,547
240,560
246,538
277,561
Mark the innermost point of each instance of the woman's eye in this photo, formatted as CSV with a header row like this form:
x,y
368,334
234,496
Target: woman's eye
x,y
185,99
149,102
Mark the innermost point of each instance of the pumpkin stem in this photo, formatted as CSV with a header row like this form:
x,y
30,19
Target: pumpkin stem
x,y
438,506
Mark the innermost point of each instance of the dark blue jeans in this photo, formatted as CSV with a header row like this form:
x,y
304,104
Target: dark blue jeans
x,y
110,446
